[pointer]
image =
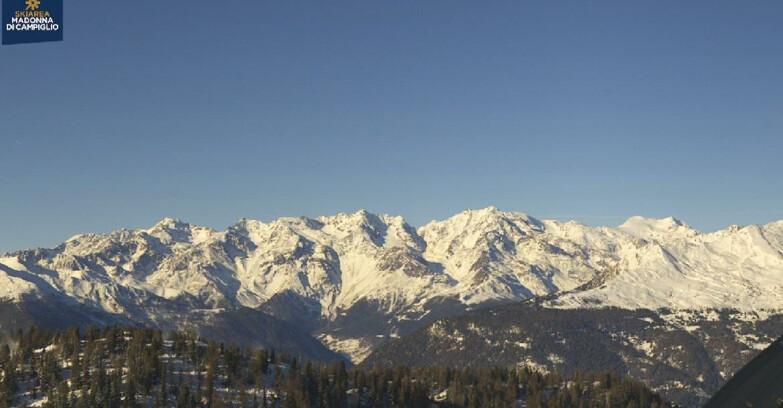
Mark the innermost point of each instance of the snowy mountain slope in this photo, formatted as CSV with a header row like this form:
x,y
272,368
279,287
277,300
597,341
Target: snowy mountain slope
x,y
499,255
676,267
357,280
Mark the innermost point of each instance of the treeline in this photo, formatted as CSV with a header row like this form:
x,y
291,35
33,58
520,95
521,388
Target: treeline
x,y
132,367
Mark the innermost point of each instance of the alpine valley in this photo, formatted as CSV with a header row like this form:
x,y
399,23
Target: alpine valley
x,y
652,299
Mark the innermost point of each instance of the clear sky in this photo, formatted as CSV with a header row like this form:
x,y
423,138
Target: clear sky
x,y
210,111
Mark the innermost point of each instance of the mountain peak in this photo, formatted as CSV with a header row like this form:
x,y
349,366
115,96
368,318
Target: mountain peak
x,y
171,223
490,209
170,230
363,217
647,228
486,218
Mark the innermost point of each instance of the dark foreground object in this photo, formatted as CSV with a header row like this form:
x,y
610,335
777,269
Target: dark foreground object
x,y
759,384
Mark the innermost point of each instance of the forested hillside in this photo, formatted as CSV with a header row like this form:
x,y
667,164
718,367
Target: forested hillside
x,y
684,355
131,367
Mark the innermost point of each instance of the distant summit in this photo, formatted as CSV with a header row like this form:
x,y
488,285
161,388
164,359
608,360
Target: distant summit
x,y
651,228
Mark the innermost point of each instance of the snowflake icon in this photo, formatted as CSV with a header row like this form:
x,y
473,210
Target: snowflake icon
x,y
33,4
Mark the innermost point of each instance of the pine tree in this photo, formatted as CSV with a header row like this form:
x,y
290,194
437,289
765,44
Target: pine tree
x,y
183,397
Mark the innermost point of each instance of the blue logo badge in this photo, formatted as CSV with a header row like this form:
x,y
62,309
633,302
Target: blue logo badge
x,y
32,21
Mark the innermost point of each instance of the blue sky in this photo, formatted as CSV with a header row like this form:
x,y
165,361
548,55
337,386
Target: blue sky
x,y
212,111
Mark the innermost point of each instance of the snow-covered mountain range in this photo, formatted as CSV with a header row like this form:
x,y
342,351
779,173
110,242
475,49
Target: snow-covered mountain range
x,y
357,280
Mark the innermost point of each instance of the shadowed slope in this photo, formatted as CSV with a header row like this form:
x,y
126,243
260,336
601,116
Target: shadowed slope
x,y
759,384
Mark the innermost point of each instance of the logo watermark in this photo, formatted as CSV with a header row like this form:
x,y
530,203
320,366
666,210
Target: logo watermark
x,y
32,21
